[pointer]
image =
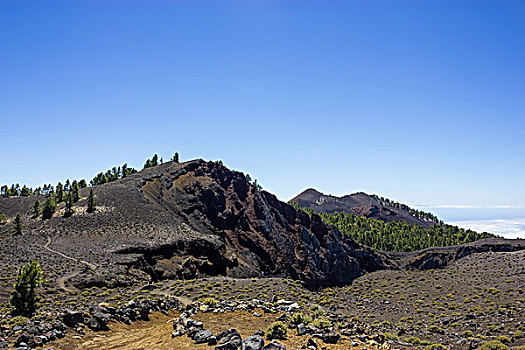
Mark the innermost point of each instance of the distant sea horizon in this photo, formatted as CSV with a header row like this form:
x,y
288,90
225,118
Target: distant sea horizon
x,y
507,222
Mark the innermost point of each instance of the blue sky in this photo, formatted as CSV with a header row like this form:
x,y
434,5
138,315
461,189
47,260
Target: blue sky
x,y
419,101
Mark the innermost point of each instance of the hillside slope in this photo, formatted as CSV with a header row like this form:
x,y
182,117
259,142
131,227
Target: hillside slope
x,y
182,220
360,204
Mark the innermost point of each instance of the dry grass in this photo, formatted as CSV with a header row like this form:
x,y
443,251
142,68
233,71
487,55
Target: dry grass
x,y
156,334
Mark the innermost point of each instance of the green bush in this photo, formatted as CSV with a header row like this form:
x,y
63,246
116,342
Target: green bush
x,y
212,302
277,330
412,340
493,345
301,318
436,347
321,323
503,339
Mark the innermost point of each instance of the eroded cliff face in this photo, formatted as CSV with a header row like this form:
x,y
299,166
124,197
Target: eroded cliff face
x,y
230,228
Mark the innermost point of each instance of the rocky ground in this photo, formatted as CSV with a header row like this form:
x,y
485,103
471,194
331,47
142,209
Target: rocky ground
x,y
461,306
178,234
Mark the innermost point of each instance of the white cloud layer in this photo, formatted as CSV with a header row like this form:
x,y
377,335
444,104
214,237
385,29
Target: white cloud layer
x,y
507,228
467,206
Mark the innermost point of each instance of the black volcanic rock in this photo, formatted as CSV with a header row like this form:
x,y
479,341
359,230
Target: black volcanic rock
x,y
185,220
236,230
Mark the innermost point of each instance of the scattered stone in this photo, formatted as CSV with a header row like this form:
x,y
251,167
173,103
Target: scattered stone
x,y
301,329
311,344
229,339
331,337
202,336
212,340
275,346
255,342
72,318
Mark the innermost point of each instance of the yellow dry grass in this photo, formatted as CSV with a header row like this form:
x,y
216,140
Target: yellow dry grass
x,y
156,333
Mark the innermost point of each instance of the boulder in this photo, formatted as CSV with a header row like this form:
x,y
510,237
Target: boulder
x,y
212,340
331,337
255,342
229,339
275,346
72,318
311,344
202,336
301,329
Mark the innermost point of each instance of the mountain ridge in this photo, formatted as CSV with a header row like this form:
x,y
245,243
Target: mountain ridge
x,y
359,203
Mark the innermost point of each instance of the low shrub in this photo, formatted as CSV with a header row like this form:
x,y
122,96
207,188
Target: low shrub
x,y
277,330
493,345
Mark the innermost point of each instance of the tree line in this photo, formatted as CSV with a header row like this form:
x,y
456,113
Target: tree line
x,y
69,192
396,236
109,175
112,175
422,215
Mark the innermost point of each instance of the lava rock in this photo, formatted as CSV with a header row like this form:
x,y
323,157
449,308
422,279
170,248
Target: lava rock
x,y
72,318
301,329
229,339
202,336
332,337
311,344
255,342
275,346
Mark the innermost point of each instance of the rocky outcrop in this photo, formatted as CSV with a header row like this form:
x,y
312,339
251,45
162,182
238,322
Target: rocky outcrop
x,y
439,257
229,227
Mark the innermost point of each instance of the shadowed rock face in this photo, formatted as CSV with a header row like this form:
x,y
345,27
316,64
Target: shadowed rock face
x,y
235,230
439,257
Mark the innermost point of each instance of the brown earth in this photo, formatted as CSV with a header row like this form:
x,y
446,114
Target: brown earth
x,y
156,334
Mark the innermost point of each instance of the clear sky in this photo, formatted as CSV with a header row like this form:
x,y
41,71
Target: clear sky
x,y
419,101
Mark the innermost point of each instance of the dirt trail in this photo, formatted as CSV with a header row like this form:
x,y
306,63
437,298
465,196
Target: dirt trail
x,y
156,333
46,246
61,281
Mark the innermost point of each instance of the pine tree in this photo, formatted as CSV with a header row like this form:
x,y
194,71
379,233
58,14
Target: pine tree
x,y
36,208
75,188
23,298
91,202
69,205
49,208
18,224
154,160
176,157
26,192
59,192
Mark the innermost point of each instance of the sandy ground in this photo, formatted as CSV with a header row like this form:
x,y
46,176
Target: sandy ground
x,y
156,334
